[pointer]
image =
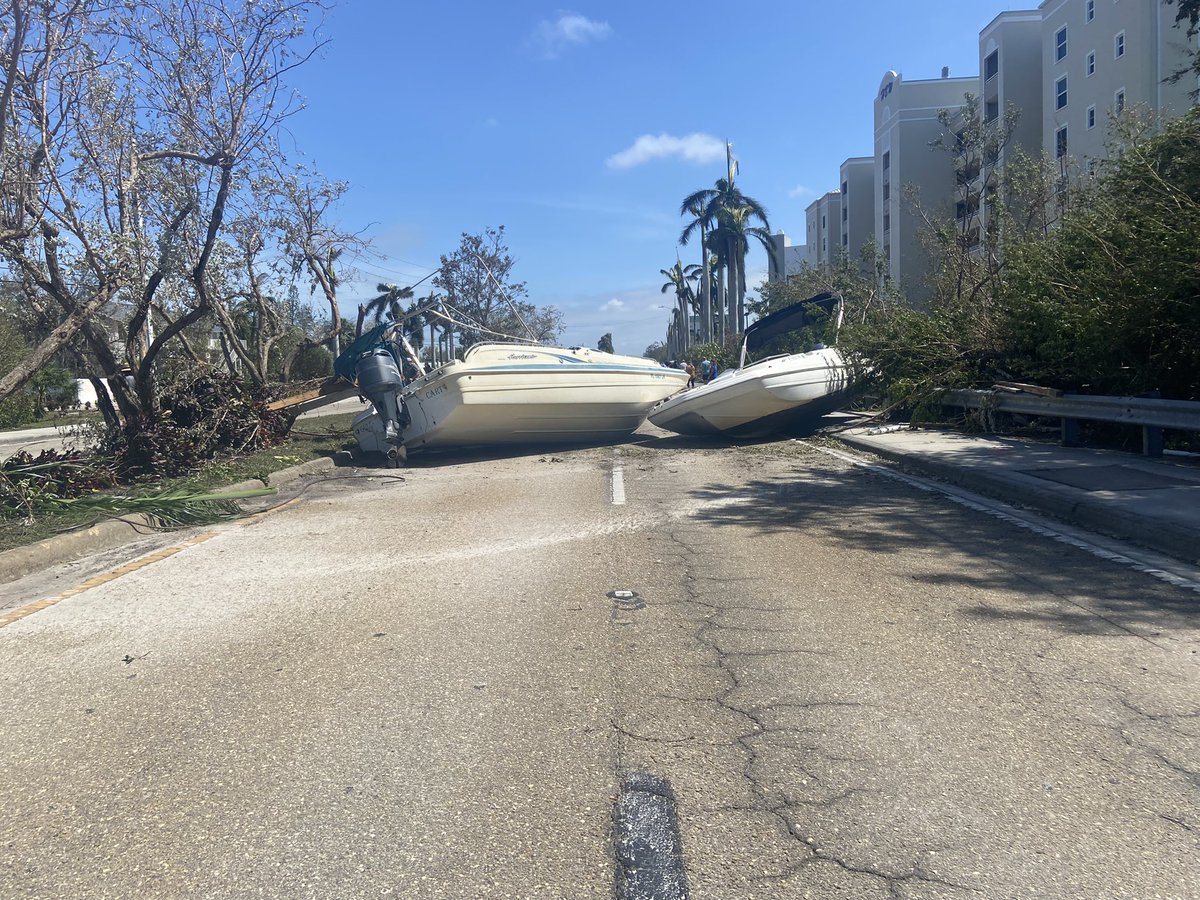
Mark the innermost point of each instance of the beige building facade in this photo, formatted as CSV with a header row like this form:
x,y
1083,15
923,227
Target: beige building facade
x,y
908,169
785,258
1068,67
823,228
858,205
1099,59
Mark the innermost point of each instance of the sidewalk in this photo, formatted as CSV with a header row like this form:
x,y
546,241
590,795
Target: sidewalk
x,y
1154,503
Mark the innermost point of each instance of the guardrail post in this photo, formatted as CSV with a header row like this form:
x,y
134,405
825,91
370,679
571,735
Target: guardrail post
x,y
1152,441
1070,432
1152,436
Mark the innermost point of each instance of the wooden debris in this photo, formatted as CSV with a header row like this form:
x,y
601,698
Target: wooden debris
x,y
1013,387
333,388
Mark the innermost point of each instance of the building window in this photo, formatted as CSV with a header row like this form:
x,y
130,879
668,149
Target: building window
x,y
1060,142
1091,167
1119,45
1119,101
1091,64
1091,117
845,188
887,159
1089,10
991,111
845,240
1060,93
1060,44
887,222
991,65
822,222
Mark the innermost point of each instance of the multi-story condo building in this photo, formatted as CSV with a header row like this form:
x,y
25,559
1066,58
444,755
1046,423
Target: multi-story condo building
x,y
785,258
823,228
907,168
1010,79
1010,75
1099,58
858,205
1068,67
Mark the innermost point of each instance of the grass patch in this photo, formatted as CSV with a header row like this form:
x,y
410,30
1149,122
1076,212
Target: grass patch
x,y
310,439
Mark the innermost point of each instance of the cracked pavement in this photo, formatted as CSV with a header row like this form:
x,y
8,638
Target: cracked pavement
x,y
884,696
419,687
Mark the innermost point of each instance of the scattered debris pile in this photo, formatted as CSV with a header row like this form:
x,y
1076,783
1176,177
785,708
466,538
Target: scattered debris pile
x,y
203,415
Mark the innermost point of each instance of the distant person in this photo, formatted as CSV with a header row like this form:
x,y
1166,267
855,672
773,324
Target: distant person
x,y
705,370
691,370
714,372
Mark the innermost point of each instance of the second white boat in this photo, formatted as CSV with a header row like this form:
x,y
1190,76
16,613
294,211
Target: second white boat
x,y
778,393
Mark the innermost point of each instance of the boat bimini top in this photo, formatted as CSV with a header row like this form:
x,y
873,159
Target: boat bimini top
x,y
789,319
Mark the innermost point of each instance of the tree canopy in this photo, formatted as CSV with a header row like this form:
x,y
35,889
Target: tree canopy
x,y
484,301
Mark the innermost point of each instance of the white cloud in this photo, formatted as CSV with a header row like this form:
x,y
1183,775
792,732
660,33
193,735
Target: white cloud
x,y
800,192
693,148
612,304
552,37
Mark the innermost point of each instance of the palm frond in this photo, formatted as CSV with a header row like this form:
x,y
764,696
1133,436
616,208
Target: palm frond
x,y
176,507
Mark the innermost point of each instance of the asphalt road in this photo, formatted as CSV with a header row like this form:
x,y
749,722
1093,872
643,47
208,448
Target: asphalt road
x,y
415,684
33,440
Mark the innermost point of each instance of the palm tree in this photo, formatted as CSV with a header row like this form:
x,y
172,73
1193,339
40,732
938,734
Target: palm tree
x,y
387,304
734,230
679,280
701,222
709,205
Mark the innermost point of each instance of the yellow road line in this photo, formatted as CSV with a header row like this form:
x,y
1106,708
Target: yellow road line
x,y
38,605
97,580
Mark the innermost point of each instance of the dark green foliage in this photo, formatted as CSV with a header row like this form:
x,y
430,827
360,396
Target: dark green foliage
x,y
204,415
53,387
314,362
724,356
20,407
1107,302
1110,302
656,351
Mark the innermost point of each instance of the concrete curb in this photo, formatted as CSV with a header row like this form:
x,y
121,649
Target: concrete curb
x,y
283,476
1169,538
62,548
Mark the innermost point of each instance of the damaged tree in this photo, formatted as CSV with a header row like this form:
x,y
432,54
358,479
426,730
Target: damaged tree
x,y
131,133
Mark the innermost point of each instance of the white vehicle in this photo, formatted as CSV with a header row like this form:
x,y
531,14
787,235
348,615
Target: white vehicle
x,y
502,393
777,393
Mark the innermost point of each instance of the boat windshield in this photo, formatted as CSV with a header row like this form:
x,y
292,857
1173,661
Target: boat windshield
x,y
799,328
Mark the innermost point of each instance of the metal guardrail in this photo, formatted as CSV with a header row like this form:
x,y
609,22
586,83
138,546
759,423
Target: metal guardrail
x,y
1152,415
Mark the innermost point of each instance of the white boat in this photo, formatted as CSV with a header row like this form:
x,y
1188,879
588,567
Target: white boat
x,y
777,393
502,393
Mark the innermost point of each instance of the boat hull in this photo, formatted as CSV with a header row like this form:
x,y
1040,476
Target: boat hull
x,y
513,394
778,394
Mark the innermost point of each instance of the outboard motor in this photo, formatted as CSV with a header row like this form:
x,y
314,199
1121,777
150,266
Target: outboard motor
x,y
379,381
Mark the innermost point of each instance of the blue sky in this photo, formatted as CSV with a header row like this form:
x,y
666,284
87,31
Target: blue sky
x,y
581,127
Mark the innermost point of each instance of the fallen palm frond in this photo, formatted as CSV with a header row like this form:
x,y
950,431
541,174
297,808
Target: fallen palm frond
x,y
176,507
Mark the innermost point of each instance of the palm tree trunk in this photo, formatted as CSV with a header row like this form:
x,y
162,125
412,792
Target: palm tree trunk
x,y
705,289
720,312
741,294
683,316
731,291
